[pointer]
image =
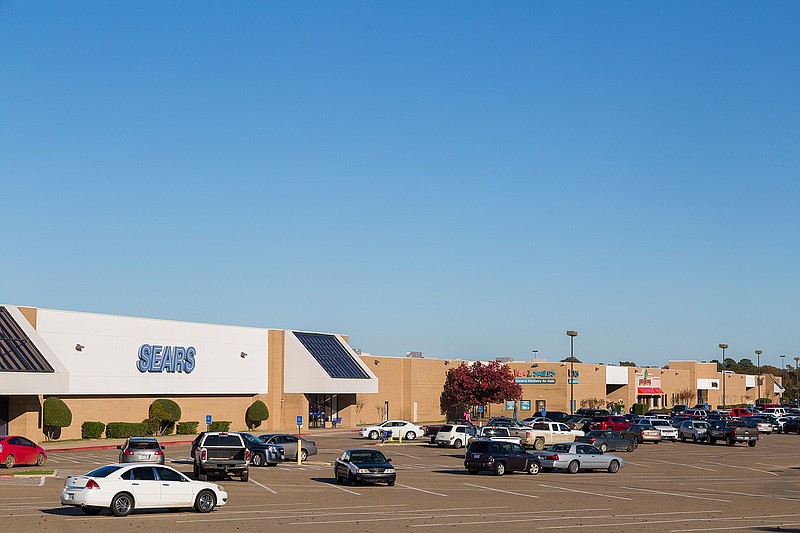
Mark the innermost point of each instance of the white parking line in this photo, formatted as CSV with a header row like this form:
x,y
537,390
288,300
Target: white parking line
x,y
612,524
678,494
742,467
344,489
637,464
503,491
770,496
683,464
585,492
263,486
421,490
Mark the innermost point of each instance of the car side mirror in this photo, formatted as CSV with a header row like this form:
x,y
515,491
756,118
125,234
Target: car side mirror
x,y
162,447
389,460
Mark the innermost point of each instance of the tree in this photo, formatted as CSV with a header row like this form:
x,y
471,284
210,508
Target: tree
x,y
55,415
477,384
255,414
570,359
627,363
166,412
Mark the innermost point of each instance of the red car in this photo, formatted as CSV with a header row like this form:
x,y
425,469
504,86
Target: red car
x,y
15,449
614,423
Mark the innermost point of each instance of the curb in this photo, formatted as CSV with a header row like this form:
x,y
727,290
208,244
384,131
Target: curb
x,y
24,475
108,447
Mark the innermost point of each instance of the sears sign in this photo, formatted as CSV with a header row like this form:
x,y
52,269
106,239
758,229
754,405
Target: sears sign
x,y
157,358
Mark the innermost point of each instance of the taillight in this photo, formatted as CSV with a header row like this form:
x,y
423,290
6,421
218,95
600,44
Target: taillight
x,y
591,441
203,454
247,455
127,452
159,452
734,432
553,457
92,484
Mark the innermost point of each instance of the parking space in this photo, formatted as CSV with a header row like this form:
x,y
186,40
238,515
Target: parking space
x,y
668,487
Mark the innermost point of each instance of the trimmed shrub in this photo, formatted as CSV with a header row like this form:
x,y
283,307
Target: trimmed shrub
x,y
55,415
762,401
123,430
187,428
167,413
640,408
92,430
151,425
256,413
220,425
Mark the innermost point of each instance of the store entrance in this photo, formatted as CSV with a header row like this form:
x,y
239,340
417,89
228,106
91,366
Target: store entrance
x,y
3,415
323,410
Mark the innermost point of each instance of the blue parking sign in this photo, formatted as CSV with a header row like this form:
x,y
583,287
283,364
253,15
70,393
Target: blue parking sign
x,y
208,420
299,420
544,411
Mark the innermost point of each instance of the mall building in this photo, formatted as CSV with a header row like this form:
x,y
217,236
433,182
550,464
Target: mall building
x,y
110,369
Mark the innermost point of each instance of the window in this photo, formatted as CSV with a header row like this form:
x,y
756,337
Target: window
x,y
103,471
167,474
143,473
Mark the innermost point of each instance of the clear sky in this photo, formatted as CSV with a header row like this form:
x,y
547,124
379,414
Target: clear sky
x,y
465,179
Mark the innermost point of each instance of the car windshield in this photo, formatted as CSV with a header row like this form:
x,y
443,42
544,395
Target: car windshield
x,y
103,471
143,445
367,457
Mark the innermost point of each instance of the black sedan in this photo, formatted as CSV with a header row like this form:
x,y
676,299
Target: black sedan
x,y
364,465
499,457
605,440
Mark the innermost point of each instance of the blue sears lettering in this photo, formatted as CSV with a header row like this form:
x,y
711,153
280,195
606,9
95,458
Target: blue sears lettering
x,y
157,358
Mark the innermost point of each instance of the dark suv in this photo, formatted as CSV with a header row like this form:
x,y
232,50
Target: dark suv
x,y
499,457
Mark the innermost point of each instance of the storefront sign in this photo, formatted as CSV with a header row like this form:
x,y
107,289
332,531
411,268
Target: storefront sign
x,y
534,381
511,405
156,358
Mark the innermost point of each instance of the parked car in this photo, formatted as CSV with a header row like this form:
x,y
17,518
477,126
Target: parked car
x,y
220,452
739,412
263,453
694,430
364,465
455,435
15,449
575,456
121,487
643,431
289,444
731,431
613,422
141,450
668,431
499,457
761,424
606,440
792,425
397,428
679,408
591,413
580,422
496,433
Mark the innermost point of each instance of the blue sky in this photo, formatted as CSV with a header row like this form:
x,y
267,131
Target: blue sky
x,y
466,179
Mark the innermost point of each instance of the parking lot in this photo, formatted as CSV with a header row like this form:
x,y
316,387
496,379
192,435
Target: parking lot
x,y
666,487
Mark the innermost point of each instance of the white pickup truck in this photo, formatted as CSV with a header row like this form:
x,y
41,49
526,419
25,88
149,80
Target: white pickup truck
x,y
495,433
546,433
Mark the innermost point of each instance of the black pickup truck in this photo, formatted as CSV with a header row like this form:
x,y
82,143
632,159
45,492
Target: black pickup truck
x,y
731,432
220,453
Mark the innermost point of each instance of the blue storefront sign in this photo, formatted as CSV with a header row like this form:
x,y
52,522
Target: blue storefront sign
x,y
157,358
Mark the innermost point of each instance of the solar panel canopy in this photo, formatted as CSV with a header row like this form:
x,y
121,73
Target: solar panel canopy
x,y
331,355
17,352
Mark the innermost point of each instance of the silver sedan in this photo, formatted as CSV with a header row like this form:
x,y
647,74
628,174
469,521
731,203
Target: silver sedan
x,y
289,443
575,456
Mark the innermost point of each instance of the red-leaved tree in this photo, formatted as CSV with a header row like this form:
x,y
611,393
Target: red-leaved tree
x,y
477,384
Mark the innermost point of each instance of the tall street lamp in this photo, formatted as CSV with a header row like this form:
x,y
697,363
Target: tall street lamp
x,y
724,347
796,373
783,367
758,377
572,334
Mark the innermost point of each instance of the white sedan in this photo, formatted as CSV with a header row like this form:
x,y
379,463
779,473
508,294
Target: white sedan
x,y
123,487
398,428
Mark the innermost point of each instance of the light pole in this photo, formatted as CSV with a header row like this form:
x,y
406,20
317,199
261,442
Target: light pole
x,y
796,373
783,367
758,377
724,402
572,334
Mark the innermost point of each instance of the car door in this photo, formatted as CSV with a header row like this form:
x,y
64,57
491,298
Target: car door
x,y
146,489
16,449
520,456
29,450
289,443
176,490
586,457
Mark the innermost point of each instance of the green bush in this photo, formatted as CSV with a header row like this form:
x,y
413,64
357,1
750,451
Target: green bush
x,y
55,415
152,425
220,425
123,430
167,412
640,408
762,401
256,413
187,428
92,430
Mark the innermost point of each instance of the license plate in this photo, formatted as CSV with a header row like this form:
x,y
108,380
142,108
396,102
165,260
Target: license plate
x,y
476,456
70,496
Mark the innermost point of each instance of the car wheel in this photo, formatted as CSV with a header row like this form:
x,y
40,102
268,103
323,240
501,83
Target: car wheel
x,y
712,440
731,441
457,444
472,471
245,476
373,435
10,461
303,455
205,502
411,435
91,510
499,469
538,444
752,444
534,468
201,474
604,447
640,440
122,504
613,466
694,439
390,482
630,447
258,459
573,467
40,459
683,437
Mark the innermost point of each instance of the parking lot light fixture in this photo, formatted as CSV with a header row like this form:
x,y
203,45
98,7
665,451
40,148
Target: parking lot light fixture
x,y
572,334
758,377
724,347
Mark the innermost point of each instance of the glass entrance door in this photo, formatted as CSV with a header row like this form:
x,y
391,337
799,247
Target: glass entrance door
x,y
322,409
